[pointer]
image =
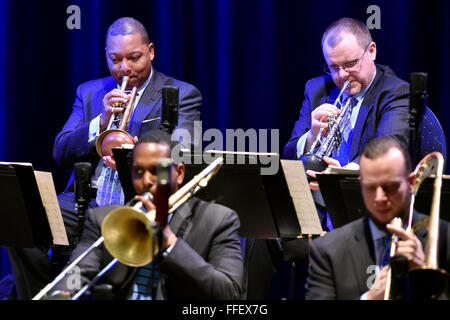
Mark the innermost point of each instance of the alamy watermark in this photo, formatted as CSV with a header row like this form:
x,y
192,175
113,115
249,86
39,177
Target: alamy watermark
x,y
236,146
74,20
374,20
374,271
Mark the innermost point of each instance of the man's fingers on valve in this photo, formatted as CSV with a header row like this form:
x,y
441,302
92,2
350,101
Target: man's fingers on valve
x,y
146,202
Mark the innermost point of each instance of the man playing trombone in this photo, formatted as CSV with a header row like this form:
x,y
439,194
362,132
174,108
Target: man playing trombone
x,y
201,256
346,261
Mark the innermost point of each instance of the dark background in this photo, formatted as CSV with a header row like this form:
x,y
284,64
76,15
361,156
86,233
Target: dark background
x,y
249,58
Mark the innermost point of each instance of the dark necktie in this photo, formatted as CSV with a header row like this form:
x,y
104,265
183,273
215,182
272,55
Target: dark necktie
x,y
386,241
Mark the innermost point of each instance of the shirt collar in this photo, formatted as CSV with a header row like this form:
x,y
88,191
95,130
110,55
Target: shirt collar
x,y
142,88
376,232
360,96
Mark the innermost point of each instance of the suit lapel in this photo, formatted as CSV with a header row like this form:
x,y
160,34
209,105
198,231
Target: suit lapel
x,y
361,252
149,106
180,222
365,109
421,233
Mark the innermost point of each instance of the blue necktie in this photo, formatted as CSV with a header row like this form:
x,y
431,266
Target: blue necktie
x,y
386,245
146,282
343,153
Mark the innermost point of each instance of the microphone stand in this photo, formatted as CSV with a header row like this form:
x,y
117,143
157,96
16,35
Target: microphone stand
x,y
163,192
82,196
417,102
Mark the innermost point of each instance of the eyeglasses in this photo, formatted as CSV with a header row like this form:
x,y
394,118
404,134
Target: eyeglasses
x,y
346,66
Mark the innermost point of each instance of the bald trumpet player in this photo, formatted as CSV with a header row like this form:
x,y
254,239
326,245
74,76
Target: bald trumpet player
x,y
350,262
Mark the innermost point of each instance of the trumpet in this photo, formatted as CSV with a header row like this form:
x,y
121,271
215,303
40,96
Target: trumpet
x,y
428,281
313,160
129,234
115,137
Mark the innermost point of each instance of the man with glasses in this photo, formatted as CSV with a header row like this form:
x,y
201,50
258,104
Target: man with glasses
x,y
380,99
379,108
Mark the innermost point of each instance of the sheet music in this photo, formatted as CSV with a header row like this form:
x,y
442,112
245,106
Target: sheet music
x,y
50,201
351,170
302,197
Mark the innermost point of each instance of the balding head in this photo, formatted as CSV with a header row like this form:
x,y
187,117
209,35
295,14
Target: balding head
x,y
338,29
125,26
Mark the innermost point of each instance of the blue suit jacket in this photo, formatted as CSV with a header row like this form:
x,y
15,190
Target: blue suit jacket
x,y
383,112
71,144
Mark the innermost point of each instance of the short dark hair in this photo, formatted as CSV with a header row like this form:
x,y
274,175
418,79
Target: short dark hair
x,y
157,136
125,26
152,136
377,148
333,34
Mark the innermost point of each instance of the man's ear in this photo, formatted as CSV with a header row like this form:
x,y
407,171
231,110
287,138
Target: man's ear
x,y
372,51
411,180
180,171
151,49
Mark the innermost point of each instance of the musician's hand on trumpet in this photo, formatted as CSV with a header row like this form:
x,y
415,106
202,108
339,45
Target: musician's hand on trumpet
x,y
113,102
314,185
408,246
319,119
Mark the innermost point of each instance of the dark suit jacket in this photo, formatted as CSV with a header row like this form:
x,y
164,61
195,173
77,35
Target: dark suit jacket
x,y
383,112
71,144
205,262
340,260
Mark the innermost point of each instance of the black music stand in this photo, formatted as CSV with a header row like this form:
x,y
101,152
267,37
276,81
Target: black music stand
x,y
262,201
121,156
24,220
344,201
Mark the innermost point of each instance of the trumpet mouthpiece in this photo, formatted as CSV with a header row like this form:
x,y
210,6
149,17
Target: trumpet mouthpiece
x,y
124,83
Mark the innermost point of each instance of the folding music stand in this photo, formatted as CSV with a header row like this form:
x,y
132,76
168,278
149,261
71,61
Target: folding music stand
x,y
269,205
344,201
121,156
23,215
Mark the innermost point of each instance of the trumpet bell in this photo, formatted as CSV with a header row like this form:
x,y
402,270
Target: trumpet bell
x,y
130,237
113,138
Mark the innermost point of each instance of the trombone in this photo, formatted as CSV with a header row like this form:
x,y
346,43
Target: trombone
x,y
119,226
429,280
115,137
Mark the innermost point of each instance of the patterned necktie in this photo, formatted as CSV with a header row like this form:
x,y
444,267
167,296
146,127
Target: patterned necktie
x,y
146,282
109,189
343,153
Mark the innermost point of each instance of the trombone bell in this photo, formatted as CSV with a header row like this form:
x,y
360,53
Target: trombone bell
x,y
130,236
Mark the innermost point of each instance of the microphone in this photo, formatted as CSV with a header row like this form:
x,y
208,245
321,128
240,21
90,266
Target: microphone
x,y
417,102
82,190
163,191
169,111
82,195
